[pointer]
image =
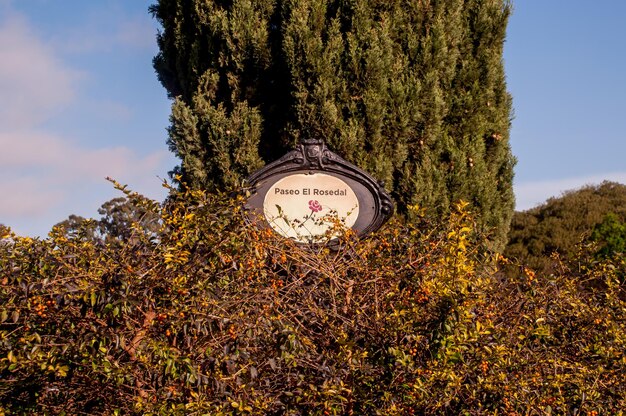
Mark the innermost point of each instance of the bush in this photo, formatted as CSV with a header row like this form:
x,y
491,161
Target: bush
x,y
610,234
213,315
562,223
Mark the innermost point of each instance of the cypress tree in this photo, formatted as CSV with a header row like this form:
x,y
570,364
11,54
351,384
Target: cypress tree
x,y
413,91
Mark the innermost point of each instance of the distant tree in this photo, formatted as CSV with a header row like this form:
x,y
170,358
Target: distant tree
x,y
76,225
561,223
412,91
120,218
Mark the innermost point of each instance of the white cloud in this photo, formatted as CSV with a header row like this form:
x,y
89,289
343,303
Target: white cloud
x,y
46,176
34,84
36,151
26,197
532,194
38,170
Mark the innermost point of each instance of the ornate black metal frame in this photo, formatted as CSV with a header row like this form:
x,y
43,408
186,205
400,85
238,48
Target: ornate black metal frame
x,y
312,156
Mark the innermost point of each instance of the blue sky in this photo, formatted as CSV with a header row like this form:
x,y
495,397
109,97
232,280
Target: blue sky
x,y
566,69
79,101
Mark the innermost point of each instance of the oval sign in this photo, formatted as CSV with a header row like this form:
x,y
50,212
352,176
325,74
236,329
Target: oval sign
x,y
306,207
306,193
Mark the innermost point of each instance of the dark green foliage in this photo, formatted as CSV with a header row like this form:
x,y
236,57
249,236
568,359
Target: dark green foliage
x,y
412,91
561,223
610,234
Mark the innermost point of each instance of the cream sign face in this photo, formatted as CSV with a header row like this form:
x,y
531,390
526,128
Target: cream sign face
x,y
305,206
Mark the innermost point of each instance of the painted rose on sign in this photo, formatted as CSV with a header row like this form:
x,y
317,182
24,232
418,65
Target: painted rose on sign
x,y
315,206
